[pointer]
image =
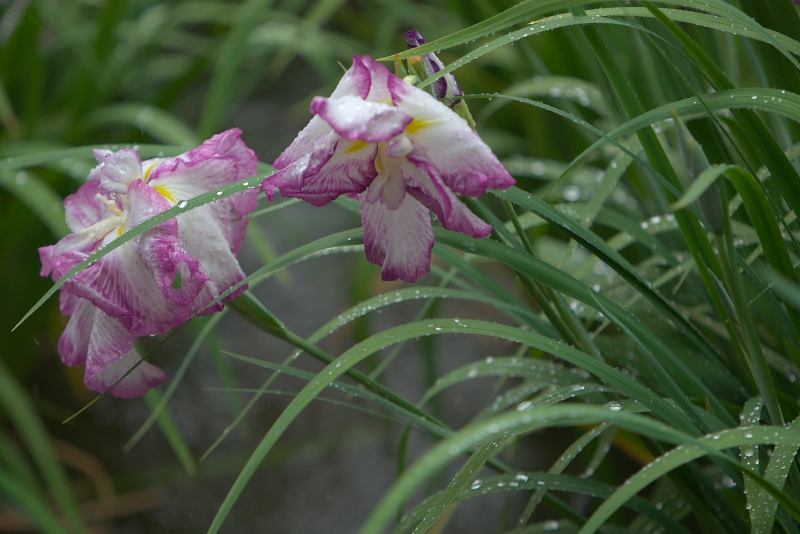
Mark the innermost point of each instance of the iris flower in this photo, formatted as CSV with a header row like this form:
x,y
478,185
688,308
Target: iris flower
x,y
162,277
401,153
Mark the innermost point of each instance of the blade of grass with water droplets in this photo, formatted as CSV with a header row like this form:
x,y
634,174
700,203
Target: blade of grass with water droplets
x,y
735,437
364,349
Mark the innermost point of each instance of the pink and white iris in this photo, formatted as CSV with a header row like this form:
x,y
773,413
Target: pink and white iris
x,y
401,153
159,279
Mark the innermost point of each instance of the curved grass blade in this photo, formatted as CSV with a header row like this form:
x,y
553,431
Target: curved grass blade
x,y
441,502
541,372
574,89
510,424
155,121
13,163
531,9
562,282
699,186
220,94
736,437
547,482
422,422
177,376
17,407
548,397
563,461
39,197
764,506
611,257
373,304
397,334
758,98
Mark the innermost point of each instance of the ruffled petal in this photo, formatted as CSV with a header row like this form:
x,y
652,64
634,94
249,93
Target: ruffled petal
x,y
111,355
209,245
59,259
337,166
378,75
354,118
445,144
219,161
453,214
399,240
227,144
48,262
355,82
117,170
73,344
178,274
122,283
85,208
177,180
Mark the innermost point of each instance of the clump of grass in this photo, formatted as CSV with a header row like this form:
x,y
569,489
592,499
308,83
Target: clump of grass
x,y
650,298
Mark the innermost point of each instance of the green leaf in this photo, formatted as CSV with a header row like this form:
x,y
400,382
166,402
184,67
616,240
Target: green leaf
x,y
736,437
362,350
700,185
509,425
156,122
172,434
17,407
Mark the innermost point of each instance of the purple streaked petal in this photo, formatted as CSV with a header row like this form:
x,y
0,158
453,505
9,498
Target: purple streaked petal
x,y
227,144
348,169
178,180
117,170
74,341
379,74
209,244
47,259
354,118
122,283
111,355
445,144
67,303
399,240
84,208
303,144
356,82
436,196
59,259
171,265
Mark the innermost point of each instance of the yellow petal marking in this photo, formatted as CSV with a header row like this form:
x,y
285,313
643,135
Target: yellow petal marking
x,y
417,125
356,146
166,193
151,168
